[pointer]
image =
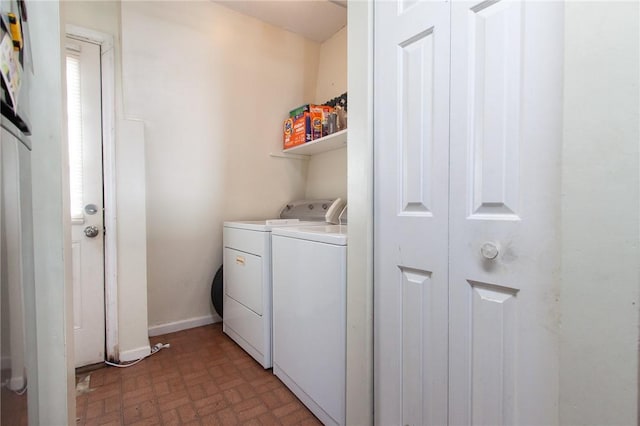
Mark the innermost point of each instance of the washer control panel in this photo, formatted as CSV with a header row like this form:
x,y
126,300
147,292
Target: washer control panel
x,y
314,210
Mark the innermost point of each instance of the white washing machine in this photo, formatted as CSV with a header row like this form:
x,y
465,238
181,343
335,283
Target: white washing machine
x,y
247,273
309,316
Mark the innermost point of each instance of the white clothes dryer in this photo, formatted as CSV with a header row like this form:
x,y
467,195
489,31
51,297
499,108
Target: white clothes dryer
x,y
309,316
247,273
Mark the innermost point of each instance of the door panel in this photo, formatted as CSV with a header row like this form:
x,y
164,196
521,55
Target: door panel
x,y
85,163
411,207
415,130
493,75
506,114
493,312
244,278
76,276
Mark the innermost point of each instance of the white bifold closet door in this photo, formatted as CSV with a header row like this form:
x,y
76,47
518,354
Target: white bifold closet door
x,y
466,211
506,135
411,103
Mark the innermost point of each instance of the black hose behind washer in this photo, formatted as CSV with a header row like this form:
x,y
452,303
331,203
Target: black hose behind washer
x,y
216,292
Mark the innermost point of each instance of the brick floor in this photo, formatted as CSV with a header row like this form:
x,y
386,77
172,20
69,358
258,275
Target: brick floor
x,y
204,378
14,408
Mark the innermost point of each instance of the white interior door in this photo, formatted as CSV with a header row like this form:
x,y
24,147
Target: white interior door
x,y
85,164
506,128
411,211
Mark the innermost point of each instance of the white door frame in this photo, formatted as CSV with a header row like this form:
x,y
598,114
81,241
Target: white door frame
x,y
359,392
107,66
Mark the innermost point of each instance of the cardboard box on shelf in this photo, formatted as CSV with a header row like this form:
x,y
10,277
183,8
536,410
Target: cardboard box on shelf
x,y
297,131
305,124
287,132
319,116
297,113
316,115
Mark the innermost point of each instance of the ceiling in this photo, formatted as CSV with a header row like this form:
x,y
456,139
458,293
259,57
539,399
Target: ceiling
x,y
316,20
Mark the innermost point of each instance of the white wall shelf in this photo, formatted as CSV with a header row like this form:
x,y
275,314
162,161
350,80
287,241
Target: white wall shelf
x,y
328,143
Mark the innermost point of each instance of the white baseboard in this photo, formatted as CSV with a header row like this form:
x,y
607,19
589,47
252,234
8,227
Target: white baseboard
x,y
172,327
134,354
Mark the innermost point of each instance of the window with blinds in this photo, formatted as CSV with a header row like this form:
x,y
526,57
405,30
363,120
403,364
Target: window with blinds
x,y
74,130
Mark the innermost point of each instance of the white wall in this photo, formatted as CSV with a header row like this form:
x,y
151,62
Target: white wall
x,y
53,392
211,86
327,174
332,67
104,16
600,205
189,161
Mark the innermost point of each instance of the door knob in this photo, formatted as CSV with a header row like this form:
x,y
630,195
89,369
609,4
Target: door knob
x,y
91,231
489,251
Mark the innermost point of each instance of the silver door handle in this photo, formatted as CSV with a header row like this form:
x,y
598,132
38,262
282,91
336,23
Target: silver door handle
x,y
91,231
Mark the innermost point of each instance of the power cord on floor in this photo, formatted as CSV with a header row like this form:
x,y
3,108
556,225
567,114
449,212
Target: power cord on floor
x,y
156,348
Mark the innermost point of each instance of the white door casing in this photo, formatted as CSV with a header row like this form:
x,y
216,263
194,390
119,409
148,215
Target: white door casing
x,y
494,354
506,115
87,252
411,151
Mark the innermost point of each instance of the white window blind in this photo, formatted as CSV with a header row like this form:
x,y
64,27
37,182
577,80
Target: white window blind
x,y
74,116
